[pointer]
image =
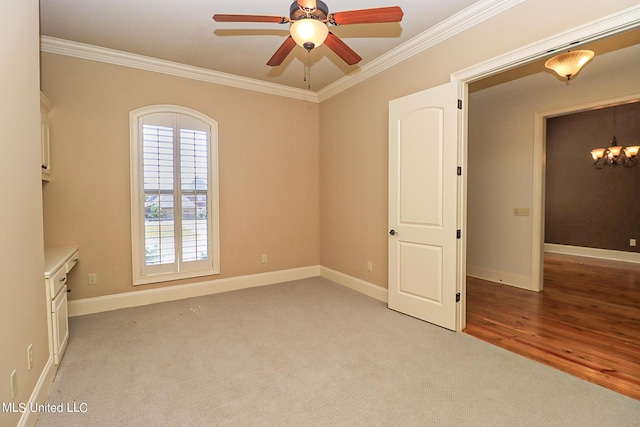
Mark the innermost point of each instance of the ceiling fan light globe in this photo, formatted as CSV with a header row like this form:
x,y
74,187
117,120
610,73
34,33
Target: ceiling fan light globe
x,y
309,30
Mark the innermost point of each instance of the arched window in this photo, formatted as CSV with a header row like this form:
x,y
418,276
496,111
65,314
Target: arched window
x,y
174,194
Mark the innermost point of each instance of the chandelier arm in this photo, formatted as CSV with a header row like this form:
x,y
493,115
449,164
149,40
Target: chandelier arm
x,y
630,162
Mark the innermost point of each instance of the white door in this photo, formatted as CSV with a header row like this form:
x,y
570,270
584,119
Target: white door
x,y
423,153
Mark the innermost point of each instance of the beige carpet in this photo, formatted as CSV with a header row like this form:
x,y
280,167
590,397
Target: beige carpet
x,y
307,353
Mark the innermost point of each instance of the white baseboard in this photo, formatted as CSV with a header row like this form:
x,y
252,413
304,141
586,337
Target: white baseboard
x,y
503,277
39,395
362,286
593,252
151,296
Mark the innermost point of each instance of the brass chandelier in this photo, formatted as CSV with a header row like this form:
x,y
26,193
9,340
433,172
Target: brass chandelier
x,y
615,154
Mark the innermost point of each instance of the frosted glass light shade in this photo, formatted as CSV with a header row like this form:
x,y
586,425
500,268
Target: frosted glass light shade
x,y
632,151
615,151
568,64
598,153
309,33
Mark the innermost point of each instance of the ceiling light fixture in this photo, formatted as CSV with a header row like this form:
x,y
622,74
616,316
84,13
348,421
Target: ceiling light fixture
x,y
615,154
568,64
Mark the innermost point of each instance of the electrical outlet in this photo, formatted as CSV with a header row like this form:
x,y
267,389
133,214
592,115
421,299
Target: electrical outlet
x,y
369,266
14,384
30,356
93,278
632,242
264,259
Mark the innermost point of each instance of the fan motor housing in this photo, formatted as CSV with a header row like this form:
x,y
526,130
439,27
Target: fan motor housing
x,y
321,11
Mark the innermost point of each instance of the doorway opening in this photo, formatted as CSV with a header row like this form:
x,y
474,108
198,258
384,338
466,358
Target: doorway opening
x,y
527,61
531,275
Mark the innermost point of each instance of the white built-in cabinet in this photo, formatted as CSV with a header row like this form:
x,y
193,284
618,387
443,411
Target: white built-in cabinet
x,y
58,263
45,136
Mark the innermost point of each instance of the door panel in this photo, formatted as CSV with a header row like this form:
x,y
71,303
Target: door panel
x,y
419,271
423,152
420,167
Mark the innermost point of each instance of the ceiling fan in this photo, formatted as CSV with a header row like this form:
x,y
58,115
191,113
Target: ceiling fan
x,y
309,21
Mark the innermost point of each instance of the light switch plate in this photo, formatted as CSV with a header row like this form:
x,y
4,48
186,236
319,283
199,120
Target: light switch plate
x,y
93,278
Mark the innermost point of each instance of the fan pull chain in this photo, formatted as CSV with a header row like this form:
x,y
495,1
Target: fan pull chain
x,y
307,70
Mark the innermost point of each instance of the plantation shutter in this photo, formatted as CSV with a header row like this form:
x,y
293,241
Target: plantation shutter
x,y
176,193
194,166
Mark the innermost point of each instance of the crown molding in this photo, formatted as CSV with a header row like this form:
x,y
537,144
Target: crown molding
x,y
606,26
463,20
473,15
125,59
478,12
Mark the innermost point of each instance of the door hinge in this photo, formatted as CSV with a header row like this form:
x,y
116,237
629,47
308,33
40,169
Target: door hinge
x,y
458,234
458,297
459,104
459,171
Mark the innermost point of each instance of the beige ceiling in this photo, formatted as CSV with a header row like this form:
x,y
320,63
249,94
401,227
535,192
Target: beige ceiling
x,y
599,47
183,31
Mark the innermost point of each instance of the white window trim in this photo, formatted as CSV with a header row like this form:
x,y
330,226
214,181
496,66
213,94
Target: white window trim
x,y
137,207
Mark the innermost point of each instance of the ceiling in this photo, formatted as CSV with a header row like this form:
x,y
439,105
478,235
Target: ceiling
x,y
184,32
599,46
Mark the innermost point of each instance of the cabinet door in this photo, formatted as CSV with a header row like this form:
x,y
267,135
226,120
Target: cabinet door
x,y
60,323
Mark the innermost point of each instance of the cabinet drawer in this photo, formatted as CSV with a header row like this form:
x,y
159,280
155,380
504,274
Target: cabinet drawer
x,y
57,281
71,262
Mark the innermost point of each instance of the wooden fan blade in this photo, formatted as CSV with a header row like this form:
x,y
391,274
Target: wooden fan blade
x,y
222,17
341,49
367,16
282,52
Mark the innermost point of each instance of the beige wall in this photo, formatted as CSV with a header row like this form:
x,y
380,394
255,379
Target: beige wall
x,y
273,152
346,136
501,123
353,152
268,162
22,293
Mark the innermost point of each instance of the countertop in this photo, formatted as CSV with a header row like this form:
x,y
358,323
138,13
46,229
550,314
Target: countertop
x,y
55,257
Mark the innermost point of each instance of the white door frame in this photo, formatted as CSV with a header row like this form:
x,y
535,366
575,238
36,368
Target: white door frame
x,y
601,28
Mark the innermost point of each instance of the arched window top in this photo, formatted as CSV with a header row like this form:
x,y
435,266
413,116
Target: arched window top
x,y
174,109
174,194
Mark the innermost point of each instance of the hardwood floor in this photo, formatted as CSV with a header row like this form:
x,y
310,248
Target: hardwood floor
x,y
585,322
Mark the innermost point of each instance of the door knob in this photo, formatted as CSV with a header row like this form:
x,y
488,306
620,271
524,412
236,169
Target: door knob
x,y
393,232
